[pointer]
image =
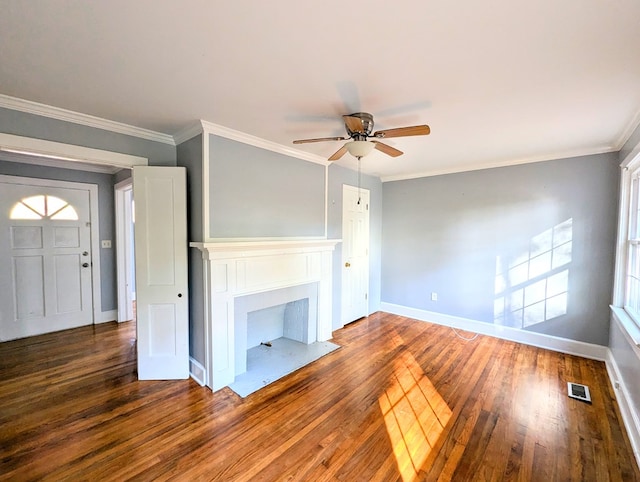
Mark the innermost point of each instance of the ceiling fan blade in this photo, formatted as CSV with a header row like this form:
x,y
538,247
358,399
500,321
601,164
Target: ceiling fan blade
x,y
390,151
339,153
354,124
320,139
422,130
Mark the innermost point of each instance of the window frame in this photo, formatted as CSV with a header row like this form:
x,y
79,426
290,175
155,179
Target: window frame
x,y
628,226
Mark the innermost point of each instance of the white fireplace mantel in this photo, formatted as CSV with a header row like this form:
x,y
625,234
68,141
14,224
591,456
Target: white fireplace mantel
x,y
241,268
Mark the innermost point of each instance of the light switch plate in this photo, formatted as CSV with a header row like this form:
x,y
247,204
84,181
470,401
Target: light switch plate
x,y
106,243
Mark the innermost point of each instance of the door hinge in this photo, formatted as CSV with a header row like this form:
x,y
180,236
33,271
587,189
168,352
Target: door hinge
x,y
366,296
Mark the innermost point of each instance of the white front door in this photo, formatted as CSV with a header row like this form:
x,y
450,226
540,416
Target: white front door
x,y
161,272
45,253
355,253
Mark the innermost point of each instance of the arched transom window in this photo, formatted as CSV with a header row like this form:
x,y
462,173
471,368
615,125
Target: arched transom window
x,y
44,207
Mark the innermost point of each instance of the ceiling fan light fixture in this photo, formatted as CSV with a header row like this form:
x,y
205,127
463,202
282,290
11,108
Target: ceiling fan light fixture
x,y
359,148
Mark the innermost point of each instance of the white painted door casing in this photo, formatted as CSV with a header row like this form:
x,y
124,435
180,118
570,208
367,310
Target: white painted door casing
x,y
123,193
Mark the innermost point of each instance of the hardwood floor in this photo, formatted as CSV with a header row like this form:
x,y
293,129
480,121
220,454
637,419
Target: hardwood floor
x,y
401,400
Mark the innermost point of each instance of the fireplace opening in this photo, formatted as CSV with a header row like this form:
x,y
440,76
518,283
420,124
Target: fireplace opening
x,y
289,313
275,334
289,320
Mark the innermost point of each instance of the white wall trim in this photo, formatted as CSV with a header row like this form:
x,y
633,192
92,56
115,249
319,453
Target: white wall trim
x,y
58,113
95,228
106,316
206,199
218,130
628,327
621,238
57,163
630,417
197,371
68,152
563,345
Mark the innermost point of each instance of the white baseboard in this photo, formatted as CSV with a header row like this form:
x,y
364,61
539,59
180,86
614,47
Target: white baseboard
x,y
197,371
106,316
563,345
630,417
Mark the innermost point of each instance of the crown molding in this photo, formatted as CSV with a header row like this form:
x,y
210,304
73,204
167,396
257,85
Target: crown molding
x,y
188,132
626,133
58,113
514,162
226,132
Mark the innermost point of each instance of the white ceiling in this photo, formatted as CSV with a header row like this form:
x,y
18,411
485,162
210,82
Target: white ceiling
x,y
499,82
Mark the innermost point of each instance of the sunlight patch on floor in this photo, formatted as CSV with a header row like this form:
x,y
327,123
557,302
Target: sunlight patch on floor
x,y
415,415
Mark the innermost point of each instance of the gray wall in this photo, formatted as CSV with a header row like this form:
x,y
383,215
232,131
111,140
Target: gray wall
x,y
31,125
447,234
338,176
189,155
106,212
260,193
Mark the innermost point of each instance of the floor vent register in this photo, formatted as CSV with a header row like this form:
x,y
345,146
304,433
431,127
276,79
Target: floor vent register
x,y
581,392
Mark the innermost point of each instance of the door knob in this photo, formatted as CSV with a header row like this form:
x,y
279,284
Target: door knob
x,y
347,264
85,265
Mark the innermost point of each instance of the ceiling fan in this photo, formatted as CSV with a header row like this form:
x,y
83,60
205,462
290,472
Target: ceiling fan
x,y
359,126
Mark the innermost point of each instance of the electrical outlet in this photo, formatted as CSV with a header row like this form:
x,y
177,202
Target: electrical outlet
x,y
434,296
106,243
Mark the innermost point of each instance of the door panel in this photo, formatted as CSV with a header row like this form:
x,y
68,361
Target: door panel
x,y
161,272
67,279
28,287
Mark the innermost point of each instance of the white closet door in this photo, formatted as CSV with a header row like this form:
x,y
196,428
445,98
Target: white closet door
x,y
161,272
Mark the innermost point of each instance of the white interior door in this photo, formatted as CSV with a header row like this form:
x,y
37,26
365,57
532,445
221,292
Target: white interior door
x,y
161,272
355,253
45,253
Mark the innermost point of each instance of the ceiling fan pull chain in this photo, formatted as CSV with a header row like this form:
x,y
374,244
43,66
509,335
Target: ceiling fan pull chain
x,y
359,178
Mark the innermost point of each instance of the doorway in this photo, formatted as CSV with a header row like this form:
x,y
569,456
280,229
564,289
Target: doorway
x,y
125,251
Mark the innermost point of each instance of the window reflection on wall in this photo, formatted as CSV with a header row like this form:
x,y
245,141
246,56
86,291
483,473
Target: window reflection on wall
x,y
533,286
